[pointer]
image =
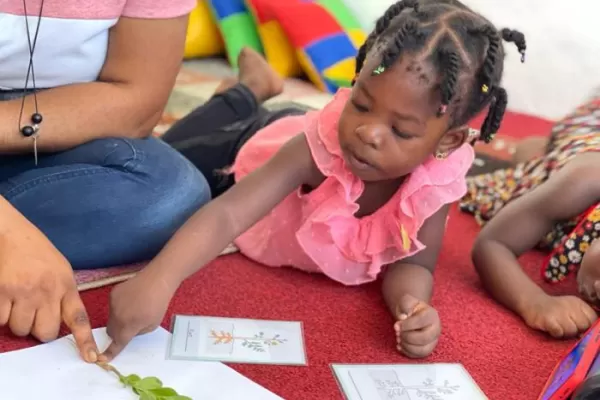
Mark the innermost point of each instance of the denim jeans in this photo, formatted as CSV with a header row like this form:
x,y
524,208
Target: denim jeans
x,y
106,202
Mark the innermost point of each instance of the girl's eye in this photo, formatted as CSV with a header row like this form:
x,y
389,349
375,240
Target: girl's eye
x,y
401,134
359,107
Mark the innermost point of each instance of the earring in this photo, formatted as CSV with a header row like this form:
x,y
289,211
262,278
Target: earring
x,y
473,133
440,155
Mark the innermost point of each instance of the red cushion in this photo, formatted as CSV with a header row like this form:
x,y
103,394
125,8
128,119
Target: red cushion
x,y
304,22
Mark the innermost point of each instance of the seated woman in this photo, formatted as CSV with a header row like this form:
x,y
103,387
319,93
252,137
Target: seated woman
x,y
551,201
82,182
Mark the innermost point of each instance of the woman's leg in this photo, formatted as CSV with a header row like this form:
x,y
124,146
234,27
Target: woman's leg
x,y
107,202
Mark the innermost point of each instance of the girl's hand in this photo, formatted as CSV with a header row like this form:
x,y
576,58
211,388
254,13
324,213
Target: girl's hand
x,y
137,306
418,327
560,316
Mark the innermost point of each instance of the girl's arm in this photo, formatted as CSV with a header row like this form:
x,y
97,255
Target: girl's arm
x,y
217,224
414,275
519,226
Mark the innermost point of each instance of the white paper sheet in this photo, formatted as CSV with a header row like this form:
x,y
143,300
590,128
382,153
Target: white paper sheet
x,y
54,371
406,382
237,340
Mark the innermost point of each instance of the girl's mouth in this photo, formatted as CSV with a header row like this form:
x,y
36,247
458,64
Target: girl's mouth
x,y
357,162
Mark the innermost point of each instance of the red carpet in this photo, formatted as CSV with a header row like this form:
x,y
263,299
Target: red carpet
x,y
350,325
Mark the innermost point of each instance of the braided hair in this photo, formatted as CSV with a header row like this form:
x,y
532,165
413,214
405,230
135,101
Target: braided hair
x,y
458,42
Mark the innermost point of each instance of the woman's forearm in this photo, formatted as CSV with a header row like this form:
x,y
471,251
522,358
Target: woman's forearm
x,y
401,279
78,113
503,277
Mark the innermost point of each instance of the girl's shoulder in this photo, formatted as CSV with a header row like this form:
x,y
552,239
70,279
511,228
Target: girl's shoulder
x,y
436,183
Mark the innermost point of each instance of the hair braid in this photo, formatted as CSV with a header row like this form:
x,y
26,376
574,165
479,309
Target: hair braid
x,y
495,115
380,26
393,51
450,36
491,57
450,61
517,38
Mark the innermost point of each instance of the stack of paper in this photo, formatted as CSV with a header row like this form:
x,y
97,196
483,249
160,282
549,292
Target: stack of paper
x,y
54,371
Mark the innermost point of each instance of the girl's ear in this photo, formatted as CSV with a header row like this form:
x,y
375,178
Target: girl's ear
x,y
455,138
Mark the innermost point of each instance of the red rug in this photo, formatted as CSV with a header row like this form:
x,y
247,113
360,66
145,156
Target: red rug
x,y
350,324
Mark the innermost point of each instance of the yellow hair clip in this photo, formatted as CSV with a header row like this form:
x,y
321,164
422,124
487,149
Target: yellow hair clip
x,y
485,89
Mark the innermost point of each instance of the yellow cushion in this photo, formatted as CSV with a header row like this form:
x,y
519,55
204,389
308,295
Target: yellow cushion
x,y
279,52
203,38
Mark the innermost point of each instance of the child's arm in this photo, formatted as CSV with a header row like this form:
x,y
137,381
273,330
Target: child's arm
x,y
217,224
139,305
520,226
414,275
407,289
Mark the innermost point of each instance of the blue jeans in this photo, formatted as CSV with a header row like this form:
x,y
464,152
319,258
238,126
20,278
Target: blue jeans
x,y
106,202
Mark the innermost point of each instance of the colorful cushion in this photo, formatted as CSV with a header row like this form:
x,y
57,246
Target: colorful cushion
x,y
568,255
279,52
326,37
237,27
203,38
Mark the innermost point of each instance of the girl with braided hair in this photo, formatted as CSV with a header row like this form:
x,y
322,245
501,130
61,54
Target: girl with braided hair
x,y
550,201
356,191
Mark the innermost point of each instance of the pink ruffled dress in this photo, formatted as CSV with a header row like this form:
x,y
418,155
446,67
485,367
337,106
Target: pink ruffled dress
x,y
318,231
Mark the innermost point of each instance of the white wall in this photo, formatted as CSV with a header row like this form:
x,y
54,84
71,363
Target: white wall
x,y
563,49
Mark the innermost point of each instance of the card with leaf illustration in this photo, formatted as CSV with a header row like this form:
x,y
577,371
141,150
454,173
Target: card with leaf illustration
x,y
406,382
237,340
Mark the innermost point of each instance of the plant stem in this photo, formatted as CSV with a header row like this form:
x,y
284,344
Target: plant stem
x,y
110,368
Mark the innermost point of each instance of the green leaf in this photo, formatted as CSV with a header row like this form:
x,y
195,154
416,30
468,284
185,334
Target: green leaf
x,y
178,397
131,380
164,392
148,383
148,396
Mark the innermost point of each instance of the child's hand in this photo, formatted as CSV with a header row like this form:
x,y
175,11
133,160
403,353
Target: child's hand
x,y
137,306
588,278
418,327
560,316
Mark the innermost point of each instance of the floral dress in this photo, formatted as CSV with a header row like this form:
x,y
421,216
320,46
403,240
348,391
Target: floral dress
x,y
487,194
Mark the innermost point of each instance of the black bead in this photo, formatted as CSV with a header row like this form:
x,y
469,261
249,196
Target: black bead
x,y
36,118
27,131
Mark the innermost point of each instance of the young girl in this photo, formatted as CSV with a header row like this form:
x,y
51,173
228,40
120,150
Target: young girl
x,y
553,202
360,186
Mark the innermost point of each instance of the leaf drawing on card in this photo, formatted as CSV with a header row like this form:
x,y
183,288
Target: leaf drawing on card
x,y
390,387
259,342
221,337
431,391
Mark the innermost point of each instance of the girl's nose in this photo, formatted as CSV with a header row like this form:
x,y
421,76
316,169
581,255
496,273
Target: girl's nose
x,y
371,135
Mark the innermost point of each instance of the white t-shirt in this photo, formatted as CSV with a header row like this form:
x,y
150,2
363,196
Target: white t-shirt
x,y
72,39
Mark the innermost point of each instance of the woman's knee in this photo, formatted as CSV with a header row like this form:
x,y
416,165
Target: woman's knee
x,y
175,186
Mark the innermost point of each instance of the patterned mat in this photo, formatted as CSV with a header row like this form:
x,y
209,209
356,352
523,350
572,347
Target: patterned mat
x,y
195,84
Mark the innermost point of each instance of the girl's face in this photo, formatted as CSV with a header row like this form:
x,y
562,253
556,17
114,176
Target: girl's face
x,y
390,124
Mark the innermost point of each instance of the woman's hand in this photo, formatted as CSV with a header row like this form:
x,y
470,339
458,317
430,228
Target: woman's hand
x,y
37,286
137,306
